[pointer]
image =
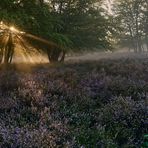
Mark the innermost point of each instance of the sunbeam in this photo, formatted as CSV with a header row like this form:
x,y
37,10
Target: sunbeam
x,y
39,39
22,48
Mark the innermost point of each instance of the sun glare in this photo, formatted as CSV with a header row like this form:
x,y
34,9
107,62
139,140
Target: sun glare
x,y
13,29
23,51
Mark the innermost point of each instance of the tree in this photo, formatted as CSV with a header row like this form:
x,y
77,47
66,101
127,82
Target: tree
x,y
75,24
133,19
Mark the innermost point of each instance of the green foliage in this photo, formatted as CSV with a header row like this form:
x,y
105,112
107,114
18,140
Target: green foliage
x,y
145,143
133,19
61,40
68,23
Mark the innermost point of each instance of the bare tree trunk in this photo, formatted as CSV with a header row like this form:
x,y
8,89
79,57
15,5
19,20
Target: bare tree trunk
x,y
41,2
138,36
54,55
146,42
1,55
60,7
132,38
63,56
9,50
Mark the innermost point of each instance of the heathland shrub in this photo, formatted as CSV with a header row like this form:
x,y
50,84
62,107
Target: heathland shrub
x,y
91,104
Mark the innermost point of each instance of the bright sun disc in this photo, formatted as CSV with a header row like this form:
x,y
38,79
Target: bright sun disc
x,y
12,28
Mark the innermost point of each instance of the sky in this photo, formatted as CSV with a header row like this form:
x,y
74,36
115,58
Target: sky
x,y
108,6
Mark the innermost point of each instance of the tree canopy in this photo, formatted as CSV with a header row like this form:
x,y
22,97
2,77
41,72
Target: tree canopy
x,y
78,24
133,18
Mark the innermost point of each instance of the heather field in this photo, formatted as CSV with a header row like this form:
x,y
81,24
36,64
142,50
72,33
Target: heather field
x,y
89,104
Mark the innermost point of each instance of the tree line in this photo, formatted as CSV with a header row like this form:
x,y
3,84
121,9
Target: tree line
x,y
78,24
70,24
132,16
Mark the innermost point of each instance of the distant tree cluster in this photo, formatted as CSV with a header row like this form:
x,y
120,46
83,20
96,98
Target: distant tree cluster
x,y
132,16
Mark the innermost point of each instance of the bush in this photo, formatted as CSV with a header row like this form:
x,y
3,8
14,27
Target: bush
x,y
90,104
